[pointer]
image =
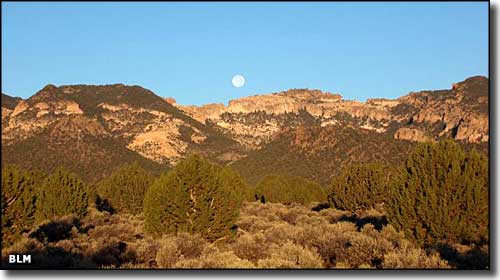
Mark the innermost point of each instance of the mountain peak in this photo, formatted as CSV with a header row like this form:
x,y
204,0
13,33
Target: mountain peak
x,y
49,87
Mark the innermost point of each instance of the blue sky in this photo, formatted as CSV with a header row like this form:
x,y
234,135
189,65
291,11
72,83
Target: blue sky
x,y
190,51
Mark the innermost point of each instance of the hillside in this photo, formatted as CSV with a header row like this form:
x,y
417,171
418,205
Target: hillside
x,y
320,153
9,102
79,144
94,129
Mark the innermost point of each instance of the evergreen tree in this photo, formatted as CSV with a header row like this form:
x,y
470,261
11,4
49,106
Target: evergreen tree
x,y
361,186
61,193
18,202
195,197
441,195
288,190
234,181
126,188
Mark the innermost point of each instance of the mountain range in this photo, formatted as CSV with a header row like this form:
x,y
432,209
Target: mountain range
x,y
92,130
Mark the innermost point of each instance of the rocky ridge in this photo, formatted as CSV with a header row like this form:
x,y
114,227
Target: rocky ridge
x,y
460,113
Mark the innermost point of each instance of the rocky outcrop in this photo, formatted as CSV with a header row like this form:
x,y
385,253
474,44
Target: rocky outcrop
x,y
28,118
202,113
460,112
321,105
160,142
473,129
411,134
170,100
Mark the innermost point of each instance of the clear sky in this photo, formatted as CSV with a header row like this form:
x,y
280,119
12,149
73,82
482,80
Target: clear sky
x,y
190,51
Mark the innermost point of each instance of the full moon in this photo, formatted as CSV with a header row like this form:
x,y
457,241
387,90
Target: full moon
x,y
238,81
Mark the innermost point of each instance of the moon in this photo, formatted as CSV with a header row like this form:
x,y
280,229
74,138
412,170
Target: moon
x,y
238,81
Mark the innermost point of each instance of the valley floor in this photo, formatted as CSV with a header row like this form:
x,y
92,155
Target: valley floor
x,y
267,236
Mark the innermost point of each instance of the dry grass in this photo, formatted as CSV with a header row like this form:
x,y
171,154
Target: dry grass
x,y
268,236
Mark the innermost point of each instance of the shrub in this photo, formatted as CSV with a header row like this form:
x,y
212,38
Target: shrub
x,y
441,195
168,254
361,186
251,247
126,187
61,193
191,251
290,255
18,202
288,190
408,257
212,257
195,197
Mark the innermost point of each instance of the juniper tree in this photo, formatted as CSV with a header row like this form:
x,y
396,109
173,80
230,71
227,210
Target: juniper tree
x,y
360,186
441,195
18,202
195,197
234,181
61,193
287,190
126,188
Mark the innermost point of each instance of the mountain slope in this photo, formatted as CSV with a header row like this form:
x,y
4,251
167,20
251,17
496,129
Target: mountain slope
x,y
79,144
9,102
320,153
128,123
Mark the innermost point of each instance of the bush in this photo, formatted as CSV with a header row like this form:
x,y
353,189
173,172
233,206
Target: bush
x,y
62,193
18,202
441,195
288,190
408,257
212,257
251,247
126,188
195,197
290,255
168,254
361,186
190,251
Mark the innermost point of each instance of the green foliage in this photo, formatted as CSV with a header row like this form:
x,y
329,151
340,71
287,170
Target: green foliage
x,y
61,193
361,186
18,202
126,188
234,181
288,190
195,197
319,153
441,195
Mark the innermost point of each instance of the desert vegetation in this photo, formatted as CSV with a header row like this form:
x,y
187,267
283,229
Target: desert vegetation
x,y
195,197
429,213
361,186
288,190
441,195
126,187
